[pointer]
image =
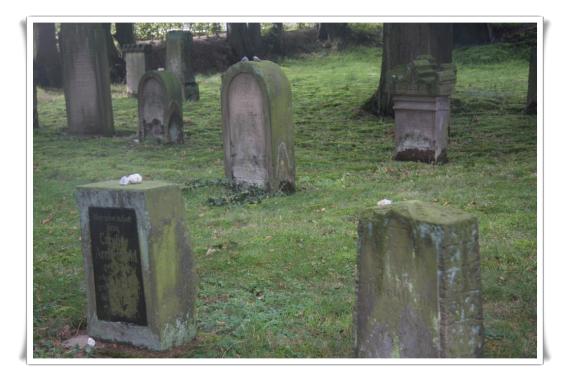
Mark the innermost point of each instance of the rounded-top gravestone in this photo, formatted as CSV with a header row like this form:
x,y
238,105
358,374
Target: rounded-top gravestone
x,y
160,107
258,126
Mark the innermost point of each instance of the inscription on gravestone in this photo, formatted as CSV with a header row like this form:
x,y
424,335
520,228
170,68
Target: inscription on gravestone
x,y
117,265
247,131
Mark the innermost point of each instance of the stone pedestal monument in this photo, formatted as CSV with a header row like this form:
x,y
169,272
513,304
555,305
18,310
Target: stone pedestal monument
x,y
419,283
179,61
160,107
421,109
86,82
137,60
258,126
140,274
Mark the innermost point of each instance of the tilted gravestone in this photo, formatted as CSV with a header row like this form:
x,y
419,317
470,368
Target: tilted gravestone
x,y
419,283
258,126
422,109
179,61
137,60
160,107
141,281
86,82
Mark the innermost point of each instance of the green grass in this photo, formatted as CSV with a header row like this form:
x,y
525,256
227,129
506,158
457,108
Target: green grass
x,y
279,278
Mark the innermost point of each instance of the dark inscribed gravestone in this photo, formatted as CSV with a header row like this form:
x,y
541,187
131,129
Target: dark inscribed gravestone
x,y
419,283
422,109
160,107
140,274
137,60
86,81
258,126
179,61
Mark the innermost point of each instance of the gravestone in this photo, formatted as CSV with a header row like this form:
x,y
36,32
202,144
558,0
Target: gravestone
x,y
86,82
258,126
137,60
160,108
179,61
421,109
419,283
140,275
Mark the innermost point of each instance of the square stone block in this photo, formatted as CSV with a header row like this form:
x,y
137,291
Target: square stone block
x,y
419,283
139,269
422,124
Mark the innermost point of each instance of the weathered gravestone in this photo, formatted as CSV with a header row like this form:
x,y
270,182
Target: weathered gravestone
x,y
86,82
421,109
137,60
258,126
179,61
141,281
160,107
419,283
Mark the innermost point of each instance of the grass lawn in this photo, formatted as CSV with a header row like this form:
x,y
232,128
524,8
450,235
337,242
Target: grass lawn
x,y
277,277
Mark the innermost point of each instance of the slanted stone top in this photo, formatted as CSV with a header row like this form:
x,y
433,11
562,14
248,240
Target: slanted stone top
x,y
133,48
423,77
422,212
114,185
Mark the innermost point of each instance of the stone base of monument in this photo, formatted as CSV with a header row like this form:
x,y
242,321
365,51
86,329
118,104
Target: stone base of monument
x,y
421,128
419,283
140,274
192,92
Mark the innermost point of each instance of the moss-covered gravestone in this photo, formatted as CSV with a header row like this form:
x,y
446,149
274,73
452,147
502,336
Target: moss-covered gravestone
x,y
421,109
258,126
137,60
86,81
419,283
179,61
160,108
141,281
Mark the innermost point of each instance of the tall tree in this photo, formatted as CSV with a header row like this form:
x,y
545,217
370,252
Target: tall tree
x,y
333,32
275,43
47,63
244,39
125,33
117,65
465,34
531,97
402,44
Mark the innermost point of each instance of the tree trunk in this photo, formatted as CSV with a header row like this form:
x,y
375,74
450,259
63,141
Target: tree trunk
x,y
244,39
531,98
336,33
117,65
48,61
125,33
274,40
465,34
402,44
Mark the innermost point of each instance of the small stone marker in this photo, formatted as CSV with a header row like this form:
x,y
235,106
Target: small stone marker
x,y
258,126
419,283
137,60
86,81
421,109
160,107
141,281
179,61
